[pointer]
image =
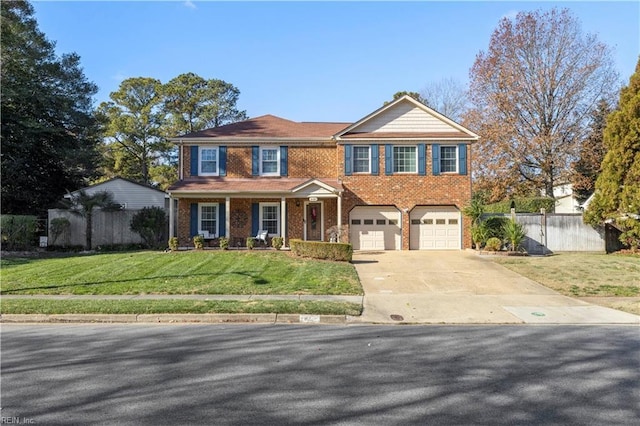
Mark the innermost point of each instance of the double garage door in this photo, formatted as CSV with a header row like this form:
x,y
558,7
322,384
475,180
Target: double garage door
x,y
380,228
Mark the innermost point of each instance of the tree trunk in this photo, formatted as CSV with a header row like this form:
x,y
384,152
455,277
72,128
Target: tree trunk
x,y
88,231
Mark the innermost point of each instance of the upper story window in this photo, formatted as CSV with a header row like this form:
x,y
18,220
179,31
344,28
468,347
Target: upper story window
x,y
405,159
362,159
448,159
269,161
208,164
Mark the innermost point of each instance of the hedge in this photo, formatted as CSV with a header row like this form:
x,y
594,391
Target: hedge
x,y
523,205
18,232
322,250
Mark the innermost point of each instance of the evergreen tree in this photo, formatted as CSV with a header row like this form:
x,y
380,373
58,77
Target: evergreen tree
x,y
49,135
617,193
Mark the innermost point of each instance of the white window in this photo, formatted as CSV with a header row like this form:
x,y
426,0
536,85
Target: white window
x,y
269,161
208,161
270,218
405,159
208,218
448,159
362,159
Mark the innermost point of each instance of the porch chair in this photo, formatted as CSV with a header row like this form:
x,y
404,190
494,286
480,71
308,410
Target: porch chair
x,y
262,236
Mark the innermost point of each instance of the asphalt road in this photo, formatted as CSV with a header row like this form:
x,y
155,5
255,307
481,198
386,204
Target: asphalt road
x,y
312,375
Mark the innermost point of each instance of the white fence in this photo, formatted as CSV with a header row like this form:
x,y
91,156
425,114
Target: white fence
x,y
558,232
109,228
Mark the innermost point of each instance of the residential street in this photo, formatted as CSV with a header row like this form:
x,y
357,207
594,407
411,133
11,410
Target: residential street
x,y
58,374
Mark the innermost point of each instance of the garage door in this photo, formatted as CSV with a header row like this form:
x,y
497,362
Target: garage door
x,y
375,228
435,228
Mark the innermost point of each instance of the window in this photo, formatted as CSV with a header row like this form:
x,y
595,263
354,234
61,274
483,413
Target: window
x,y
270,161
361,159
270,218
355,221
381,222
208,218
208,161
448,159
405,159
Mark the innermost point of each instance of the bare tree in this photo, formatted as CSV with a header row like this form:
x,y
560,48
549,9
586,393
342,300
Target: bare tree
x,y
533,93
447,96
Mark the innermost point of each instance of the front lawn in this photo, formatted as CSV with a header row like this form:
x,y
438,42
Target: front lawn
x,y
609,279
193,272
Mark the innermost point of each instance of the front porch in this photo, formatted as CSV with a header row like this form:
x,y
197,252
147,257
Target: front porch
x,y
306,209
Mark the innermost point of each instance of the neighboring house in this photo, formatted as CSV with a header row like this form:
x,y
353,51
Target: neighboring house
x,y
131,195
398,178
109,228
565,200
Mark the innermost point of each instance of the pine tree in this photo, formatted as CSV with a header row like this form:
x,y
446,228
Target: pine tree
x,y
618,186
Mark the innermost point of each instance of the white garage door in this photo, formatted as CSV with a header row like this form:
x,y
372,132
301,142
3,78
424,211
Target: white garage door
x,y
375,228
435,228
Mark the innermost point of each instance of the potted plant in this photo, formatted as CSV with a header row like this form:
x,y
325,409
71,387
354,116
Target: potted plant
x,y
224,243
198,242
251,242
277,242
173,243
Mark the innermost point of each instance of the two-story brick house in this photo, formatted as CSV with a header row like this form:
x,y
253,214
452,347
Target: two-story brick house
x,y
398,178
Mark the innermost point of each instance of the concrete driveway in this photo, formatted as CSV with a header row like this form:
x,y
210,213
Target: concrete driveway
x,y
460,287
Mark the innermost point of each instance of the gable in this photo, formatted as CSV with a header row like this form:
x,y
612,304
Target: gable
x,y
131,194
408,117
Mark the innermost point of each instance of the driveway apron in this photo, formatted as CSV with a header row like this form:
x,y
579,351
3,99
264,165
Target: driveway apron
x,y
460,287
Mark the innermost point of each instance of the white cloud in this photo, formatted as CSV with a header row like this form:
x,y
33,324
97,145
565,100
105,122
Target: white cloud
x,y
510,15
119,76
190,4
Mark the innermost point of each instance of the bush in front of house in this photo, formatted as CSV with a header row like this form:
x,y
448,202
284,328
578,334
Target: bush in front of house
x,y
224,243
198,242
495,226
251,242
173,243
493,244
18,232
151,224
322,250
514,233
277,242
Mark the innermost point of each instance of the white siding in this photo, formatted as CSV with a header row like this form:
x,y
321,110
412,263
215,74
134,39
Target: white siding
x,y
404,117
134,196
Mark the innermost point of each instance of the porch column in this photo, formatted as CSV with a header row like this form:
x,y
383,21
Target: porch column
x,y
339,221
283,219
171,218
227,217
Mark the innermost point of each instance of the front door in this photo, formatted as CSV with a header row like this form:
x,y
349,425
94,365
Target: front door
x,y
314,222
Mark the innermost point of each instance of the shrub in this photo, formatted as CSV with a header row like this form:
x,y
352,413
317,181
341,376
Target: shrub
x,y
474,210
277,242
251,242
173,243
514,233
151,224
479,234
322,250
198,242
495,227
18,232
224,243
493,244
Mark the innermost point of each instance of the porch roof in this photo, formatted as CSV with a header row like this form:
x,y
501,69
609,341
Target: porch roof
x,y
216,186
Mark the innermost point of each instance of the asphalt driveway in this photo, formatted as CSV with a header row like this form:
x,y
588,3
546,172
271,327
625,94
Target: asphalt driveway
x,y
460,287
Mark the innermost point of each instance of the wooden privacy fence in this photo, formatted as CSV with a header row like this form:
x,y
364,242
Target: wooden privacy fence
x,y
109,228
551,232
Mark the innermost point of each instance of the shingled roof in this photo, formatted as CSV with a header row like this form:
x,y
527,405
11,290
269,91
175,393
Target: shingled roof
x,y
270,126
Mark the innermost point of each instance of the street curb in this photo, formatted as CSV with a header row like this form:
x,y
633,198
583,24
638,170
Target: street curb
x,y
175,318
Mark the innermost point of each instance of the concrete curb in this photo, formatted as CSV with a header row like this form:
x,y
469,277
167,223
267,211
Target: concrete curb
x,y
176,318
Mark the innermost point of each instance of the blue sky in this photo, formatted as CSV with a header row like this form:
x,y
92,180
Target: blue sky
x,y
305,61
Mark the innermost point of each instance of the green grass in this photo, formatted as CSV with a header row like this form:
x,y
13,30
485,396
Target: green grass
x,y
193,272
47,307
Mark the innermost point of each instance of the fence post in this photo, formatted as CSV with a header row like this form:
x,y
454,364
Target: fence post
x,y
543,230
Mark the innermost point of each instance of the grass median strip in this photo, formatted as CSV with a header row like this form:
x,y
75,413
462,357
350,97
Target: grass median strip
x,y
173,306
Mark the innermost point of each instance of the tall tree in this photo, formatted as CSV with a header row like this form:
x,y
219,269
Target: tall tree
x,y
49,135
133,127
617,193
587,168
447,96
194,104
532,93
